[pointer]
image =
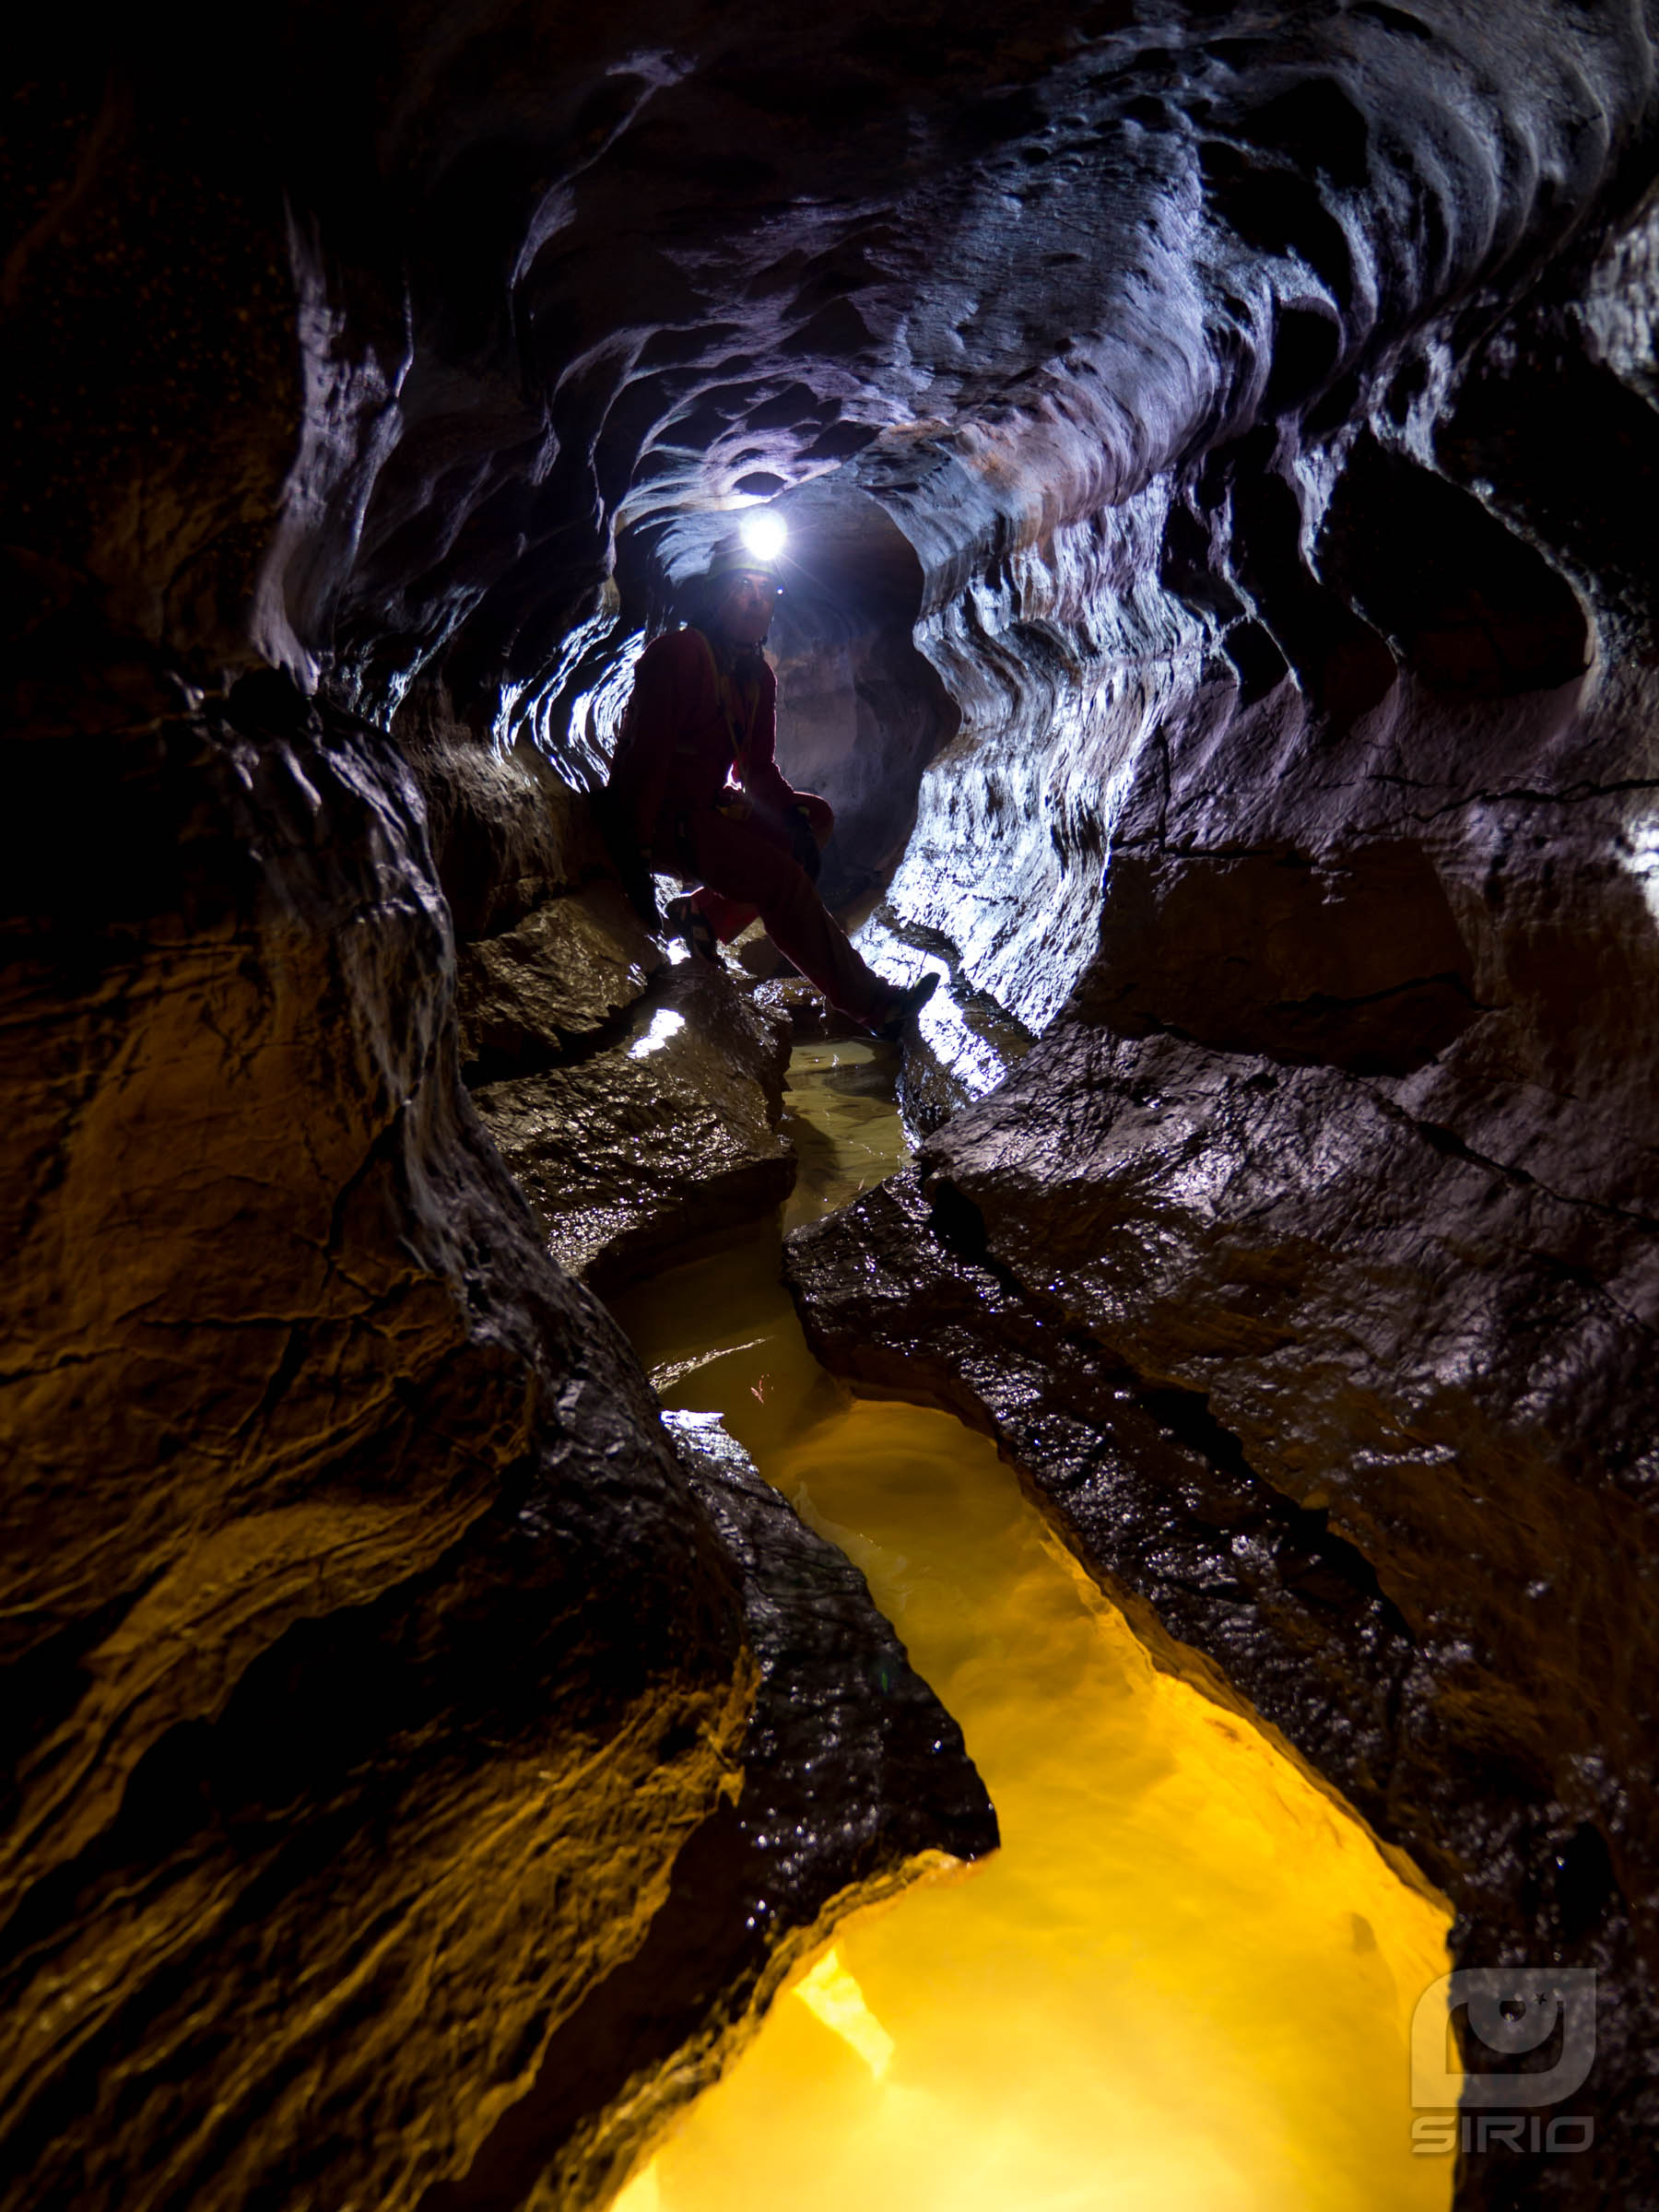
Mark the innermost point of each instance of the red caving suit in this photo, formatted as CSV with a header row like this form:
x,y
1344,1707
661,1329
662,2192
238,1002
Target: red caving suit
x,y
697,784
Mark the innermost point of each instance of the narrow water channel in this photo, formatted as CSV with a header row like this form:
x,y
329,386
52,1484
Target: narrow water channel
x,y
1187,1979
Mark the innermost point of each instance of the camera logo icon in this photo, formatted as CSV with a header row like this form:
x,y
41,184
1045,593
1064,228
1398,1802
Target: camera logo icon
x,y
1512,2010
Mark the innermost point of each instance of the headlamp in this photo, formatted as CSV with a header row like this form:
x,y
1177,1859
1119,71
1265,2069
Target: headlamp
x,y
765,533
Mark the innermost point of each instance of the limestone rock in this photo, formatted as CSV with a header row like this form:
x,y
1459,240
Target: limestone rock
x,y
1386,1464
666,1139
1143,1485
563,974
1311,827
506,831
1365,1660
757,955
350,1760
367,1658
1247,417
861,710
961,1045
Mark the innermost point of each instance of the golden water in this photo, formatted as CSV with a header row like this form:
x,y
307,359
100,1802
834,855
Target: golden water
x,y
1186,1981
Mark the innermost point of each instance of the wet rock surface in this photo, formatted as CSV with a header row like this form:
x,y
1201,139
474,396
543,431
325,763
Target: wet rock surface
x,y
1334,1144
562,975
507,833
962,1044
666,1139
367,1657
348,1759
791,1000
1421,1620
861,712
855,1783
636,1102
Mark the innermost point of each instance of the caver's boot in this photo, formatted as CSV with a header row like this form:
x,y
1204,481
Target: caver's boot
x,y
688,922
895,1013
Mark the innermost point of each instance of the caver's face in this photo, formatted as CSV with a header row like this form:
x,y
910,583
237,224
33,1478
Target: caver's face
x,y
744,611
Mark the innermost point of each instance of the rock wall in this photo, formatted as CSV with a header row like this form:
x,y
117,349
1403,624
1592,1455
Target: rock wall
x,y
339,1539
1307,1262
378,1672
373,1660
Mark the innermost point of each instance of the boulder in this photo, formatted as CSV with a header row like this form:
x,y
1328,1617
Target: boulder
x,y
661,1143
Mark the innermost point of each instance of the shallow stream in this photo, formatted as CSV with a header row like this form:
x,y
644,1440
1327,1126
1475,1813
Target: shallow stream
x,y
1185,1982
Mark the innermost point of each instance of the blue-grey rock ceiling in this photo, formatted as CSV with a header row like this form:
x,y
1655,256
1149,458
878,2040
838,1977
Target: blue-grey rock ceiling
x,y
658,262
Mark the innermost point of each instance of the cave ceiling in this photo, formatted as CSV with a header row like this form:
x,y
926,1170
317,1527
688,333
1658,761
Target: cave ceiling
x,y
570,288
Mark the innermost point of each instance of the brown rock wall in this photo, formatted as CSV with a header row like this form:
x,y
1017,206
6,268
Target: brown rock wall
x,y
321,1481
849,1760
370,1659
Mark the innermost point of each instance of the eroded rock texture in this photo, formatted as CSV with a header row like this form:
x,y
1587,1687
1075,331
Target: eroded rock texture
x,y
1307,1263
855,1784
667,1140
1221,446
371,1657
341,1539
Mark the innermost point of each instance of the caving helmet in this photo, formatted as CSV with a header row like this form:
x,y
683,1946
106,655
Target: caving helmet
x,y
732,557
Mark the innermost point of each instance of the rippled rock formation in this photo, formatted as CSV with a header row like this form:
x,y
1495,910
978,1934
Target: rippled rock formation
x,y
341,1538
376,1667
1221,447
1307,1263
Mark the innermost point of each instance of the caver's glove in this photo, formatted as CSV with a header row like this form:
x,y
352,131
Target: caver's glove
x,y
802,842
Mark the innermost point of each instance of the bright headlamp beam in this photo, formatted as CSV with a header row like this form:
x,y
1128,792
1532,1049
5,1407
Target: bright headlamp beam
x,y
764,534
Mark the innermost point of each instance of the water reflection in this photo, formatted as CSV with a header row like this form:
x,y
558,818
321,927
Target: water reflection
x,y
1187,1979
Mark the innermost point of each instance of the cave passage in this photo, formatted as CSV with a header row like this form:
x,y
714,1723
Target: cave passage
x,y
1187,1978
